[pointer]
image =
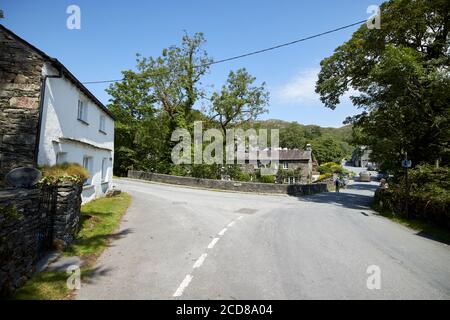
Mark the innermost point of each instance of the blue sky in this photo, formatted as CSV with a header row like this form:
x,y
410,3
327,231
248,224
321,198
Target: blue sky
x,y
112,32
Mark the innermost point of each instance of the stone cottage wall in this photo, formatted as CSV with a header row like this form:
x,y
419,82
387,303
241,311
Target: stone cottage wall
x,y
19,241
20,84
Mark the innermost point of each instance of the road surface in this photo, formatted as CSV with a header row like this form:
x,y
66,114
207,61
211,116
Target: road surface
x,y
185,243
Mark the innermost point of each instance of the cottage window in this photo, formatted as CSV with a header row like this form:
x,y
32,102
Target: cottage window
x,y
82,111
61,157
87,164
102,126
104,169
285,165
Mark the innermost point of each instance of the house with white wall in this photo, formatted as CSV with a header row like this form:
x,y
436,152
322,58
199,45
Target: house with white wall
x,y
65,121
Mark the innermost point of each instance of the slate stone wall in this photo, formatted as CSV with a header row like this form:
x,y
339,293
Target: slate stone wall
x,y
67,214
33,222
295,189
20,85
19,242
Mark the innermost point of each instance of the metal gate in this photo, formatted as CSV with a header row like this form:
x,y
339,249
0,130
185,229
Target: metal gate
x,y
47,209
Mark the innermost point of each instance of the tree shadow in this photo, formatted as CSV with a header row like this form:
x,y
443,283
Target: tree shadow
x,y
362,186
345,199
92,276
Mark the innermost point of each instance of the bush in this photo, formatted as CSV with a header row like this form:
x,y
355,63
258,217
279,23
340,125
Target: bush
x,y
178,170
64,172
429,198
267,179
244,176
325,176
331,167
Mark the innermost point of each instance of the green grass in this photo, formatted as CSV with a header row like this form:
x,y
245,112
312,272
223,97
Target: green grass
x,y
427,229
99,219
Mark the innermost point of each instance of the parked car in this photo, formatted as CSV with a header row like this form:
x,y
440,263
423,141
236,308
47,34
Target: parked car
x,y
364,176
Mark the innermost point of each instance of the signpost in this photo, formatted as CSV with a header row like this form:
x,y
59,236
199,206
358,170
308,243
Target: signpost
x,y
406,164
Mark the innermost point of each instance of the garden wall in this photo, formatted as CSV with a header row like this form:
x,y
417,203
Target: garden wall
x,y
32,222
295,189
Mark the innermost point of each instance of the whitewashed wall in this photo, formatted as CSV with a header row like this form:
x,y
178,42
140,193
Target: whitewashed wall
x,y
60,121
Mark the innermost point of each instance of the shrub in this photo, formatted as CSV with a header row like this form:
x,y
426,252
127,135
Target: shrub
x,y
178,170
324,176
428,200
244,176
64,172
331,167
267,179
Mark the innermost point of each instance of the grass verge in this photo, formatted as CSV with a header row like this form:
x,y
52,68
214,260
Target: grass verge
x,y
99,219
425,228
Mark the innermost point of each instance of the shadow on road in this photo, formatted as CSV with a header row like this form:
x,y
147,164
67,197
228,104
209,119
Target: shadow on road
x,y
352,197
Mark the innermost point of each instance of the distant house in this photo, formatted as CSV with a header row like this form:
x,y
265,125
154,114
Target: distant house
x,y
47,116
298,162
361,157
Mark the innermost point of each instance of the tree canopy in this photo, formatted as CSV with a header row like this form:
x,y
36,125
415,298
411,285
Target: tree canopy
x,y
401,80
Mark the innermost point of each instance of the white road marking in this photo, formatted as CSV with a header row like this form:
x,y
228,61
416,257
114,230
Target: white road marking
x,y
183,286
200,261
213,243
185,283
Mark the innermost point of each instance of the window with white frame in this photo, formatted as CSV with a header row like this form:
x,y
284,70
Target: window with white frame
x,y
285,165
104,169
87,164
82,111
61,157
102,124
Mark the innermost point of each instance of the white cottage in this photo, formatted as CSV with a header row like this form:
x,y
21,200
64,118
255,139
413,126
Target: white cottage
x,y
50,117
76,127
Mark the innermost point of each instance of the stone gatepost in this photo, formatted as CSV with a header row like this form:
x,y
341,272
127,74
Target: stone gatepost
x,y
67,213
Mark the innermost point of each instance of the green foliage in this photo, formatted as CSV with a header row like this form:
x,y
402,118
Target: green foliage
x,y
239,101
328,149
244,176
178,170
401,79
331,167
64,172
205,171
324,176
267,179
429,198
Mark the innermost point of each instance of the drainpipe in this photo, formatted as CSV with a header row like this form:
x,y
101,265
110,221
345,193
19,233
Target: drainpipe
x,y
41,112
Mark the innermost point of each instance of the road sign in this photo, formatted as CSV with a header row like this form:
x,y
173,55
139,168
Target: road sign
x,y
406,163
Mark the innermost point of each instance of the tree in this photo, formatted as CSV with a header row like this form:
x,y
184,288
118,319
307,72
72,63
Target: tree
x,y
238,101
327,149
401,77
175,77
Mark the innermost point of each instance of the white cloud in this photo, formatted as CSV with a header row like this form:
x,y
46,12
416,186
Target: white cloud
x,y
300,89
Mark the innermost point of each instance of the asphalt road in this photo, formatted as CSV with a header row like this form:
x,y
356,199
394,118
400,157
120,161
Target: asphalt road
x,y
186,243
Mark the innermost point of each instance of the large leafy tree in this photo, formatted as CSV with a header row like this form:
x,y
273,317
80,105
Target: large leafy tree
x,y
175,78
239,101
401,77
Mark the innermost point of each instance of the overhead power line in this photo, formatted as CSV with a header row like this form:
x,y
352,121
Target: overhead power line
x,y
253,52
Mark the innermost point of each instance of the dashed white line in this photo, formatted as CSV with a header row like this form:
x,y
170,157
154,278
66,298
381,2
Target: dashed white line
x,y
200,261
213,243
222,232
185,283
183,286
